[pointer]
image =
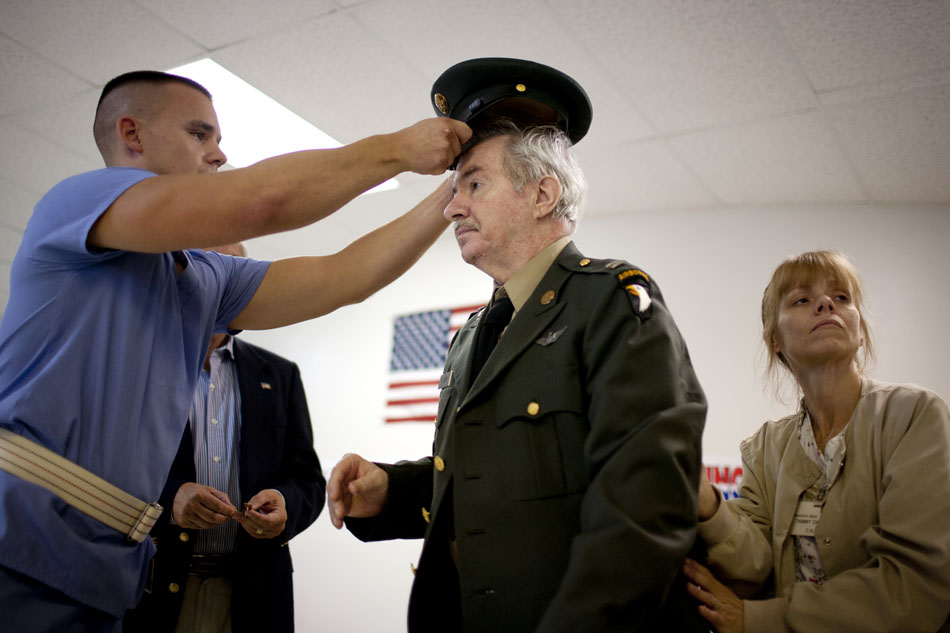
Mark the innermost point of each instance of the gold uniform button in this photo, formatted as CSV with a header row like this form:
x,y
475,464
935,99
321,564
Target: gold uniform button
x,y
173,587
183,537
439,463
547,297
533,408
585,262
441,103
425,515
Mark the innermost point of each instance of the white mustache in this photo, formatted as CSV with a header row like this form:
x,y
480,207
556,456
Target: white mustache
x,y
467,223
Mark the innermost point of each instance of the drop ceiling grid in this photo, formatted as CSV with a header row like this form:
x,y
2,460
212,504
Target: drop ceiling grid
x,y
95,40
790,159
218,23
692,65
434,35
334,73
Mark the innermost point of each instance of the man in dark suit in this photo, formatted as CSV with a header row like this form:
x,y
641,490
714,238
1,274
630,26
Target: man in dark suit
x,y
217,563
561,495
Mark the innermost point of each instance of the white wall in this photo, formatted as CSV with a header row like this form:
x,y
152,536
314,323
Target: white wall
x,y
712,267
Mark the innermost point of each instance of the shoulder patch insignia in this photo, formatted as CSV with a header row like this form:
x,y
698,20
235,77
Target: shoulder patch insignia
x,y
636,285
640,300
633,272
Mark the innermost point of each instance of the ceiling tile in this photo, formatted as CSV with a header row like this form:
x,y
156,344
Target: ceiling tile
x,y
216,23
38,164
900,144
692,63
29,81
790,159
76,116
846,42
16,203
639,177
900,85
334,73
463,30
95,40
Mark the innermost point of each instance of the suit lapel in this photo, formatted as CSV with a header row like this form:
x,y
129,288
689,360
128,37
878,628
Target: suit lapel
x,y
253,375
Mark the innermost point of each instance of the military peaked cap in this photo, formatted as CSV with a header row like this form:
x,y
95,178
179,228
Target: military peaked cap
x,y
478,91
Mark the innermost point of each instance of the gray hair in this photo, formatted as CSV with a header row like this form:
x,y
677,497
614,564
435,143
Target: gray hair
x,y
536,151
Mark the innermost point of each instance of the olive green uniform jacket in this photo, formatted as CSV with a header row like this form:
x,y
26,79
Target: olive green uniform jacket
x,y
573,461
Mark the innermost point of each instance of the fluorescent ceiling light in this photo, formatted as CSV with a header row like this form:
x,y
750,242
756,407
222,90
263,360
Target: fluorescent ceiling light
x,y
248,118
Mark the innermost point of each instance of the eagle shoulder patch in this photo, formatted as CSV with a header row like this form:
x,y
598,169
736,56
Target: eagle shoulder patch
x,y
636,285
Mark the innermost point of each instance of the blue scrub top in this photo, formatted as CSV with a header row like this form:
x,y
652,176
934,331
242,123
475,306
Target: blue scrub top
x,y
99,357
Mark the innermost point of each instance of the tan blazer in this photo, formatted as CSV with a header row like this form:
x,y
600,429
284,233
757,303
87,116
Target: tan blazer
x,y
884,531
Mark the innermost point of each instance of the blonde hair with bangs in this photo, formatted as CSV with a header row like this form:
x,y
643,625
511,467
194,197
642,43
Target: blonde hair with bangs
x,y
802,270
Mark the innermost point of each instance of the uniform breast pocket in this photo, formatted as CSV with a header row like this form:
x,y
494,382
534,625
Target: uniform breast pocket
x,y
541,428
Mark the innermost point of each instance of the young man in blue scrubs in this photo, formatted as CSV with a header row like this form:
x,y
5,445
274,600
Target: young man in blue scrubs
x,y
110,314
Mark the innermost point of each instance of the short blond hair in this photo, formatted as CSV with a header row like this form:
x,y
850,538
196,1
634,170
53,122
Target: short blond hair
x,y
802,270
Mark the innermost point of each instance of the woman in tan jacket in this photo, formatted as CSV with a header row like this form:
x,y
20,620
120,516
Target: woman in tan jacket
x,y
843,517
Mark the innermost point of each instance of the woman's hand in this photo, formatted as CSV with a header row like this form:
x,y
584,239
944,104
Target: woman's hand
x,y
708,498
718,604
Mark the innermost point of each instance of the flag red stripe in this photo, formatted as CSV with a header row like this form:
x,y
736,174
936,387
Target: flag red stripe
x,y
420,383
412,401
428,418
468,308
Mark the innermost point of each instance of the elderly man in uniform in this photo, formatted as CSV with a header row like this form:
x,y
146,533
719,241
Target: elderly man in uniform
x,y
561,495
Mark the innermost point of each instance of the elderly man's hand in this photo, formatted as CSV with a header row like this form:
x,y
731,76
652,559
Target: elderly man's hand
x,y
357,488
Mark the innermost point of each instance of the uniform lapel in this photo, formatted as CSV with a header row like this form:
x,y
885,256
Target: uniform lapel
x,y
462,353
529,323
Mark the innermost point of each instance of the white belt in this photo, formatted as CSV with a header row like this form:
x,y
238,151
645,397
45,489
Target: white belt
x,y
77,486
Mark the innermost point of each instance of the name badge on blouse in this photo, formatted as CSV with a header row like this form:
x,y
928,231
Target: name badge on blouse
x,y
806,518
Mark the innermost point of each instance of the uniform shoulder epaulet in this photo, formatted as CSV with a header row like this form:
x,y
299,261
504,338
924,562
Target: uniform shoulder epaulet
x,y
589,265
635,283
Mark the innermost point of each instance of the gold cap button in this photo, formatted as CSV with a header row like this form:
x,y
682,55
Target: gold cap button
x,y
183,537
533,408
547,297
425,515
439,463
441,103
173,587
585,262
521,87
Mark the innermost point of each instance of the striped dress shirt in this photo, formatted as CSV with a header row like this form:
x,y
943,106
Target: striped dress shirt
x,y
216,429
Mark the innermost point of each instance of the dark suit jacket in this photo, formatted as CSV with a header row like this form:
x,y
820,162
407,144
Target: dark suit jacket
x,y
566,472
276,451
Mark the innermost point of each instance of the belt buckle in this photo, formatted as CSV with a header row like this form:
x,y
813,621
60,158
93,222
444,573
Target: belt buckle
x,y
146,521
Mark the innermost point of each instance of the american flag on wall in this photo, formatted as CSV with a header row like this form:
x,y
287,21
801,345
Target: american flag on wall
x,y
420,343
